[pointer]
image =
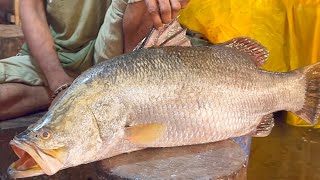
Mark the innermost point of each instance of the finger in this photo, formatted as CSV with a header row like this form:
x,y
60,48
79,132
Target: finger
x,y
165,10
175,6
152,7
183,3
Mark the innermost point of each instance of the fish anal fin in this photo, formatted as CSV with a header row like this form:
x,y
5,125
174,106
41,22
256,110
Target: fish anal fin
x,y
144,134
265,126
171,34
258,53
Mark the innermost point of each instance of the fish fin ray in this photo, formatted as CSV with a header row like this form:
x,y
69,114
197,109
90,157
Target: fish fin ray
x,y
265,126
144,134
142,44
311,108
171,34
258,53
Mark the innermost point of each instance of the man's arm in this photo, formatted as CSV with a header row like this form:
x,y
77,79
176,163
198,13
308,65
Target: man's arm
x,y
40,42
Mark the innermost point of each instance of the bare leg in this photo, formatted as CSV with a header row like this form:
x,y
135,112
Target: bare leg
x,y
20,99
136,24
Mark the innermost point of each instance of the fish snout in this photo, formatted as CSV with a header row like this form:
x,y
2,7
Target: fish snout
x,y
24,136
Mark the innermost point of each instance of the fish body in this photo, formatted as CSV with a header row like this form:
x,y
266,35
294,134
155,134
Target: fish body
x,y
160,97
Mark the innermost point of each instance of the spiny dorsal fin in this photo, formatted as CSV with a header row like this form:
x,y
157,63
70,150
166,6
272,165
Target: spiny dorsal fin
x,y
256,51
265,126
144,134
171,34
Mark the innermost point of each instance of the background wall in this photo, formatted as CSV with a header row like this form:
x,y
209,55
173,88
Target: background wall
x,y
6,11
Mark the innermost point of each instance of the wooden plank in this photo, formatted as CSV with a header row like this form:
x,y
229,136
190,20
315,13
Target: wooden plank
x,y
10,31
11,39
16,12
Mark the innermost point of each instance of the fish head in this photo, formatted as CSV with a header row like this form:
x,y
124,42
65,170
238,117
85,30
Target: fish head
x,y
39,152
34,160
66,136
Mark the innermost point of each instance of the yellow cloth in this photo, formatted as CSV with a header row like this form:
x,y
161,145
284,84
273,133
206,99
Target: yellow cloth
x,y
290,29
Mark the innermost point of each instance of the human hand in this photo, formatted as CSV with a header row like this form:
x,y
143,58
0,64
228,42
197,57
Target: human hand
x,y
163,11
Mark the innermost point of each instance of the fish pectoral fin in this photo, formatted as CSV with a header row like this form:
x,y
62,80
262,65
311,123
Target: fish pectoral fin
x,y
171,34
258,53
265,126
145,133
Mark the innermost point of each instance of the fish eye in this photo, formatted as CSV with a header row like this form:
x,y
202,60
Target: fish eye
x,y
45,134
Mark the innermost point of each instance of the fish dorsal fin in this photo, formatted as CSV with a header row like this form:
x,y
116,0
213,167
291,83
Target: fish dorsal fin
x,y
171,34
258,53
265,126
144,134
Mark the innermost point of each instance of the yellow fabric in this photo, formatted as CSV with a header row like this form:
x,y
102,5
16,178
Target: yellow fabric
x,y
290,29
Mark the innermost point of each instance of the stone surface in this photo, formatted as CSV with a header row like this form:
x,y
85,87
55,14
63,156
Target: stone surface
x,y
11,39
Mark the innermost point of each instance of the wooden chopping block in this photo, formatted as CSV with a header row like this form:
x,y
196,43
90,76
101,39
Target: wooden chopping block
x,y
219,160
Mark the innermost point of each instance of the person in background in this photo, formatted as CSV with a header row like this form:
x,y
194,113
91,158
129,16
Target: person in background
x,y
64,38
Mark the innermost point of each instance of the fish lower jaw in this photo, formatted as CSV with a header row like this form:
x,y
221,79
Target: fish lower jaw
x,y
26,166
13,172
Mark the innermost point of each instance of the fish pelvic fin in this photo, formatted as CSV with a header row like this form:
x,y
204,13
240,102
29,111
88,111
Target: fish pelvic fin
x,y
265,126
144,134
258,53
171,34
311,108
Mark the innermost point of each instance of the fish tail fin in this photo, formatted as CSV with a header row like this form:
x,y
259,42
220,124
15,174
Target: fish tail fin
x,y
311,108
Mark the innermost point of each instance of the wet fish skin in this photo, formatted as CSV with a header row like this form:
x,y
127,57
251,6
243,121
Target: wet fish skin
x,y
188,95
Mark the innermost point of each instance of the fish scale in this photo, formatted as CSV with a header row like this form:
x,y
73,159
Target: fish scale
x,y
230,69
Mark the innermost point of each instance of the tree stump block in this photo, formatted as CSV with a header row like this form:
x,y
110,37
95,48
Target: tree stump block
x,y
219,160
11,39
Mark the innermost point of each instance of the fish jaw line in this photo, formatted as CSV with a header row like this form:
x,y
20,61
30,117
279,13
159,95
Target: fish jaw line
x,y
40,162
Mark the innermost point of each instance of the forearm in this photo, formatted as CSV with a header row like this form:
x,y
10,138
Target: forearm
x,y
40,42
136,24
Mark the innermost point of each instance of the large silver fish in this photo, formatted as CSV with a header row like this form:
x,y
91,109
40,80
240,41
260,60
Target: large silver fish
x,y
162,97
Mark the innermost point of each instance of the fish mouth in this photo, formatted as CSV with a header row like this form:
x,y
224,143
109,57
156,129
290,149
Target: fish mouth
x,y
33,161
